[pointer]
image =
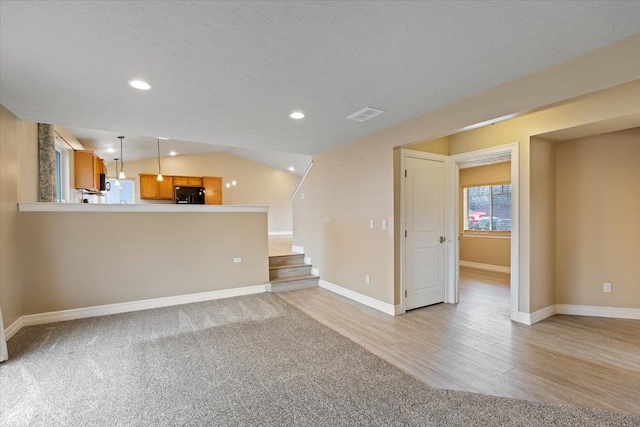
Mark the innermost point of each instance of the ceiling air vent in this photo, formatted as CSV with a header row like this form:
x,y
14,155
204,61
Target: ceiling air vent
x,y
365,114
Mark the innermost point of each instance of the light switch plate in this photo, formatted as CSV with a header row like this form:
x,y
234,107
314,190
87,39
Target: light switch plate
x,y
371,224
236,260
384,224
607,287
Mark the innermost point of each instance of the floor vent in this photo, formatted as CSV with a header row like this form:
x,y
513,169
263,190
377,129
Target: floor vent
x,y
365,114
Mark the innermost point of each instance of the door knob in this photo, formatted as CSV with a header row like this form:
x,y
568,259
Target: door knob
x,y
442,239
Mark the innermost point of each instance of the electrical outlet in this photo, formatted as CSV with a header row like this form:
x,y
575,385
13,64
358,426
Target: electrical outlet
x,y
302,196
384,224
236,260
366,279
607,287
371,224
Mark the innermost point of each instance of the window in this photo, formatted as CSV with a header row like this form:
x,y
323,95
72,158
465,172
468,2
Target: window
x,y
62,172
121,191
488,207
58,176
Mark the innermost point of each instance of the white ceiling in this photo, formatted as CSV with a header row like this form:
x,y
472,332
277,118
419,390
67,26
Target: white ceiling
x,y
229,73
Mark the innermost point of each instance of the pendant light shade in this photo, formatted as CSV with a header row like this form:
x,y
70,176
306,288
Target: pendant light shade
x,y
121,175
159,170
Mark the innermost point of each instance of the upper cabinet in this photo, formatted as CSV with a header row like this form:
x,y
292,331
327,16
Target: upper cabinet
x,y
187,181
212,190
87,169
152,189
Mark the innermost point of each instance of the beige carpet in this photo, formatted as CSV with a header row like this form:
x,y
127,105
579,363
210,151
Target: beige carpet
x,y
246,361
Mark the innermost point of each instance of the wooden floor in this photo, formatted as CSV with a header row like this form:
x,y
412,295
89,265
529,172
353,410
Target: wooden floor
x,y
474,346
280,245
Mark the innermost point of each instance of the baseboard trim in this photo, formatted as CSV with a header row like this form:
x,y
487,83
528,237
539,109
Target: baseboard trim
x,y
536,316
307,260
280,233
13,328
315,271
399,310
297,249
125,307
358,297
598,311
488,267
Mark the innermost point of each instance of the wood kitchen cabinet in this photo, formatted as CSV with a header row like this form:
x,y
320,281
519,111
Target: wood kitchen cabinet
x,y
187,181
212,190
151,188
87,169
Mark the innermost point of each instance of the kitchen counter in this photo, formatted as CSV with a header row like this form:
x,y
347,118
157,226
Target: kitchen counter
x,y
146,208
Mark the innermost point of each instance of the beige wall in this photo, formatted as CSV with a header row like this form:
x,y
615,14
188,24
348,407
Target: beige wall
x,y
10,284
598,220
257,184
543,220
494,250
73,260
353,183
436,146
18,183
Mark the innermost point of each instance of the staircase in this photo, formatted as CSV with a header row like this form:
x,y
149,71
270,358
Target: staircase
x,y
289,272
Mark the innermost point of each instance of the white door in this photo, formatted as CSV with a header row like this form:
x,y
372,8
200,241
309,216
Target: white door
x,y
424,240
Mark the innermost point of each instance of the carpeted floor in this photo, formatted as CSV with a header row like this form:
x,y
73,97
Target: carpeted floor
x,y
246,361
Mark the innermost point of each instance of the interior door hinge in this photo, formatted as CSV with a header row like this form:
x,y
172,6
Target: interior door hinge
x,y
405,173
405,293
405,233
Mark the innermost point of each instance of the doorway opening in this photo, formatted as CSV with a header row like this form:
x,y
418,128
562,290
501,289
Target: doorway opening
x,y
444,253
485,222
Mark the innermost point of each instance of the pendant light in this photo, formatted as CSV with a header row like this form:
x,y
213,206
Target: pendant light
x,y
159,170
121,175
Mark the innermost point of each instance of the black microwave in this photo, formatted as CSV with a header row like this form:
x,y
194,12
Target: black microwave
x,y
189,195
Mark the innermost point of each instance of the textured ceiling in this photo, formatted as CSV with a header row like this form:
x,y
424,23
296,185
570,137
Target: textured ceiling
x,y
229,73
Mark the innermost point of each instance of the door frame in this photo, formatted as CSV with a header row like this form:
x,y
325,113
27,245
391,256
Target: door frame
x,y
404,153
454,170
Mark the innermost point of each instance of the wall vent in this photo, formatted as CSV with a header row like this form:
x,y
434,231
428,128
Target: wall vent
x,y
365,114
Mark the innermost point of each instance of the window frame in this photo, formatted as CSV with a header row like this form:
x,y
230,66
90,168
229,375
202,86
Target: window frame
x,y
465,210
63,175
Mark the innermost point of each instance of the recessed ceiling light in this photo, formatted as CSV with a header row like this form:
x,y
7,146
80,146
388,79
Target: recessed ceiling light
x,y
228,185
296,115
110,150
139,84
233,183
172,153
162,137
291,168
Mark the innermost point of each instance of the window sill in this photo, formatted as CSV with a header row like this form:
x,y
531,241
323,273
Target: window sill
x,y
487,234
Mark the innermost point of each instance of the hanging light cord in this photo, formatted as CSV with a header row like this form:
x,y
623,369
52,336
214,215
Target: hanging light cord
x,y
121,156
159,170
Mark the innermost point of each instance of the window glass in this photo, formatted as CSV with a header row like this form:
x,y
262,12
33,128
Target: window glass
x,y
488,207
121,191
58,176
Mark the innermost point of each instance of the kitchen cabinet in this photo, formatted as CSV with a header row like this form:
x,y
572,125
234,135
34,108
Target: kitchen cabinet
x,y
87,169
212,190
187,181
151,188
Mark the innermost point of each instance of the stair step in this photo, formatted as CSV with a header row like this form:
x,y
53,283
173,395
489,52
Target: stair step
x,y
294,278
286,260
282,271
292,283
